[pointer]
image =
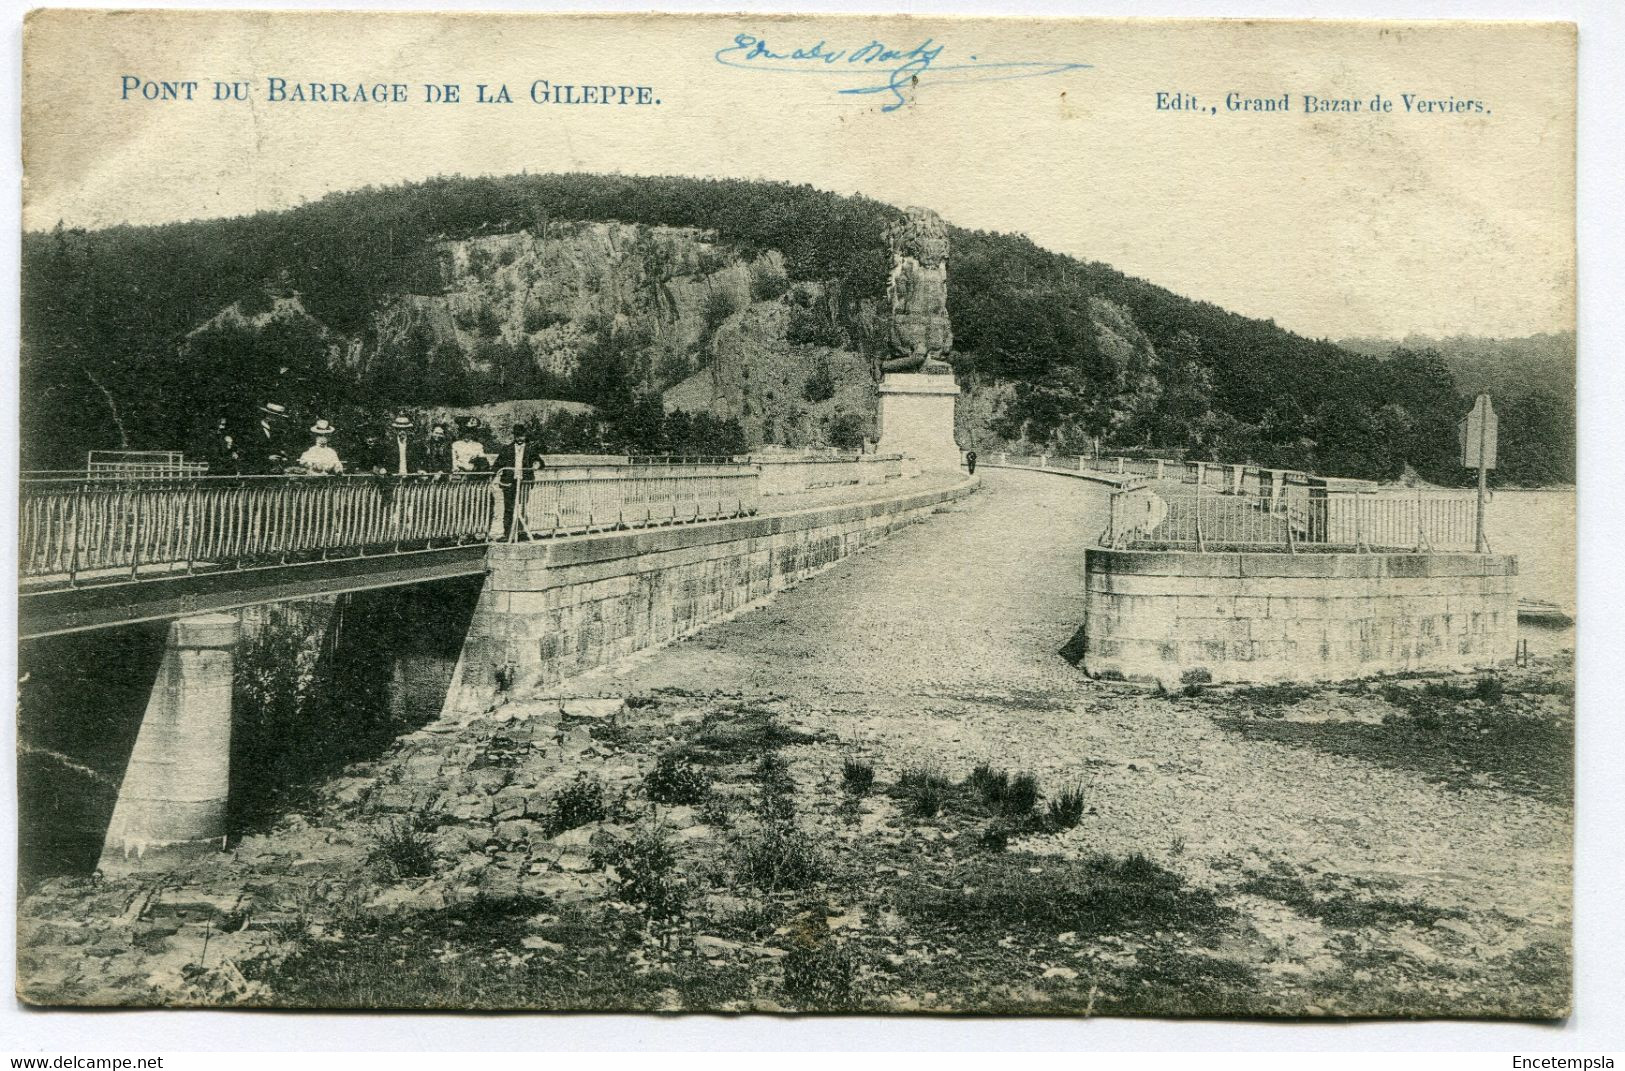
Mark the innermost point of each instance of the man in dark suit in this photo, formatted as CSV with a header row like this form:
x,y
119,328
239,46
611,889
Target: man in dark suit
x,y
267,449
519,456
222,449
437,453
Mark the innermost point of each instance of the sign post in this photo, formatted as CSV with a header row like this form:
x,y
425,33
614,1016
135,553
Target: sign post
x,y
1477,433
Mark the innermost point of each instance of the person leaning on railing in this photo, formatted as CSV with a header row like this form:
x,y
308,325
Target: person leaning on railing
x,y
321,459
468,452
437,452
518,456
267,450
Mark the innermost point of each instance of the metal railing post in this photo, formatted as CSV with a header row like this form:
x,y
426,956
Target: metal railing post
x,y
1201,542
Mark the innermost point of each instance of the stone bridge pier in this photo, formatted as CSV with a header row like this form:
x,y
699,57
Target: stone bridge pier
x,y
173,797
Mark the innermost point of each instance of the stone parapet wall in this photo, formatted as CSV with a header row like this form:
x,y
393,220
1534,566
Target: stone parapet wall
x,y
791,475
556,608
1182,616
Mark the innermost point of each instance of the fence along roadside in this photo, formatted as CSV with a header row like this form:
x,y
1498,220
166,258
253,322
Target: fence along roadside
x,y
83,529
1214,506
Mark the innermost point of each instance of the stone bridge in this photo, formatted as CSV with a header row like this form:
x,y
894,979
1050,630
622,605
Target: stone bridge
x,y
998,596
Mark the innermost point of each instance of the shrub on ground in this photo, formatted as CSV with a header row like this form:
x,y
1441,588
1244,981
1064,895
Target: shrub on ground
x,y
779,856
676,781
403,849
645,868
766,284
580,802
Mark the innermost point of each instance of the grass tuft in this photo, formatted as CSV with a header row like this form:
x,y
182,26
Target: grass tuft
x,y
857,776
926,790
778,857
1065,811
1013,796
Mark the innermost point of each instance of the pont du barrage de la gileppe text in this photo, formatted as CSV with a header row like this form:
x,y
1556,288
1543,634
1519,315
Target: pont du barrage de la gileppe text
x,y
274,89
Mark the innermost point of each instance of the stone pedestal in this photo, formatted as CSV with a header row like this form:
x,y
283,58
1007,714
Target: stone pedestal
x,y
917,418
173,797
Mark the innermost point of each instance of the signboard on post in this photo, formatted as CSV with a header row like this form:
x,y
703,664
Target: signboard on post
x,y
1476,433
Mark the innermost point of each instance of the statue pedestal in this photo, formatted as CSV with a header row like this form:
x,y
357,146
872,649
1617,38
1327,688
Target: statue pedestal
x,y
917,418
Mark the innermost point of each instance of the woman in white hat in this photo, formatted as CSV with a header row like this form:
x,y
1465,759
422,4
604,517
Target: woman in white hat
x,y
321,459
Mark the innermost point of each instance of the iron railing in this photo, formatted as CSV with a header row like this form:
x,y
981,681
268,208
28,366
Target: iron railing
x,y
1235,479
141,465
558,502
1204,505
91,530
680,459
84,530
1317,520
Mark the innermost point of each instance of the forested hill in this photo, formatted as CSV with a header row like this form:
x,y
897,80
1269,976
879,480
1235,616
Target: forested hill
x,y
1532,380
762,304
1544,362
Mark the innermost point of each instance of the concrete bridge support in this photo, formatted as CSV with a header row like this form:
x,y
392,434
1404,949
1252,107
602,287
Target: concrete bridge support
x,y
173,797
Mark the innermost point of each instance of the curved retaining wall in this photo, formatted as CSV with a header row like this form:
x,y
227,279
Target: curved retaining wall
x,y
1183,616
555,608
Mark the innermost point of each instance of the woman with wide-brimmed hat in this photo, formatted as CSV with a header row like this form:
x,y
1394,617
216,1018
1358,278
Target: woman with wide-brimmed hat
x,y
321,459
468,452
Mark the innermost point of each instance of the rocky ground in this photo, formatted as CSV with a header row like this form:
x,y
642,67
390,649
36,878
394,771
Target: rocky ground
x,y
821,805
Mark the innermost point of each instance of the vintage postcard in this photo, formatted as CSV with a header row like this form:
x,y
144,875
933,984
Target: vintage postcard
x,y
789,514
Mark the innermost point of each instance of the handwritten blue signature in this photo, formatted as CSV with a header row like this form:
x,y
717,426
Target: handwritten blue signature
x,y
898,70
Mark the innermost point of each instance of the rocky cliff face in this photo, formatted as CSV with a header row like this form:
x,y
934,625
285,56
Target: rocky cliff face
x,y
711,326
561,291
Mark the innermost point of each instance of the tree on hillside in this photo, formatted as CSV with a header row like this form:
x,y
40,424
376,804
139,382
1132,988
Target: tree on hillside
x,y
1536,439
1182,415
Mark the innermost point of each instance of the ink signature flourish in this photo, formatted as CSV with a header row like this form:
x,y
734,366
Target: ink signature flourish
x,y
882,70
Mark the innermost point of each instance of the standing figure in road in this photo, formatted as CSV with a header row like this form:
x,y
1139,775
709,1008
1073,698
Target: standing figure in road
x,y
970,461
515,461
321,459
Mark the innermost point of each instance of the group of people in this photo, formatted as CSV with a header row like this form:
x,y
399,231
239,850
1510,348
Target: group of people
x,y
270,447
